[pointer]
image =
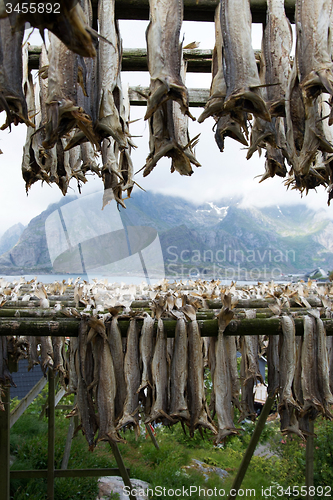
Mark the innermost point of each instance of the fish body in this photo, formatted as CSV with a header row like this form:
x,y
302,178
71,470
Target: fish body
x,y
241,74
312,405
164,55
12,99
178,377
46,353
323,368
159,409
218,88
199,415
109,121
84,400
223,389
313,54
168,136
106,393
277,45
287,362
146,351
116,349
130,415
273,364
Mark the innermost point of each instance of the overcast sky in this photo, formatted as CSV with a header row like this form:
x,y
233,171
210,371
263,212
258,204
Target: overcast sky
x,y
221,174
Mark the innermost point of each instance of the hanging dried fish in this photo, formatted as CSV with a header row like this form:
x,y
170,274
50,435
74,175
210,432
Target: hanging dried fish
x,y
116,348
313,56
12,99
130,415
178,373
65,19
199,413
241,74
164,55
223,389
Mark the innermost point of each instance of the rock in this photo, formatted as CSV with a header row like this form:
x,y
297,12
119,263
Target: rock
x,y
206,469
115,484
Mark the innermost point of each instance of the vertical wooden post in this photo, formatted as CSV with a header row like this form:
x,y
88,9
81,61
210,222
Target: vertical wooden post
x,y
68,445
51,430
5,447
122,468
252,446
309,459
152,437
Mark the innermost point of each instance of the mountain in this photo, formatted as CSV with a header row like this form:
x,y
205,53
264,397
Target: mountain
x,y
219,239
10,237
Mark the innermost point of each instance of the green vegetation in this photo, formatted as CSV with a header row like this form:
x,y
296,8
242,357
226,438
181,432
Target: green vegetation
x,y
171,466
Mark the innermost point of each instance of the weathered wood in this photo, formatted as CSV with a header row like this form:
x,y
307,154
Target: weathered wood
x,y
197,97
152,437
16,413
51,436
123,471
5,447
42,473
69,328
193,9
251,447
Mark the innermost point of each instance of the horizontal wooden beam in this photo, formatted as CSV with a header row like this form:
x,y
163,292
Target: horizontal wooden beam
x,y
42,473
194,10
197,97
209,327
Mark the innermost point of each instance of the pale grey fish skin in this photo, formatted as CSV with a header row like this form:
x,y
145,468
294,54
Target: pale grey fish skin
x,y
62,91
273,364
313,55
218,88
84,401
199,413
73,379
116,348
247,384
111,174
211,366
329,345
45,158
169,136
12,99
178,375
323,368
241,73
32,352
289,423
312,405
274,163
164,55
106,393
231,351
46,353
251,349
132,377
58,344
223,389
297,384
160,405
277,45
109,121
287,362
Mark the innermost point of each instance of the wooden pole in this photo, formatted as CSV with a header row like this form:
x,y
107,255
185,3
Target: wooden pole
x,y
5,447
152,437
26,401
252,446
122,468
51,432
309,460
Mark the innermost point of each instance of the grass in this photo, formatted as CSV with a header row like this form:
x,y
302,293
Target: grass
x,y
169,466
